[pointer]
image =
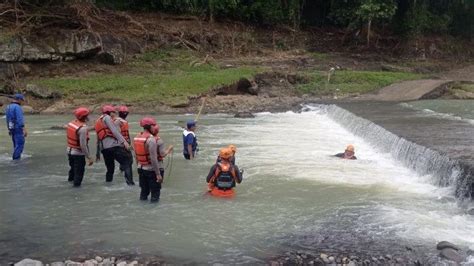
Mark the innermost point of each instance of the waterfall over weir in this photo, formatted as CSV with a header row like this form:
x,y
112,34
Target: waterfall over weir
x,y
446,172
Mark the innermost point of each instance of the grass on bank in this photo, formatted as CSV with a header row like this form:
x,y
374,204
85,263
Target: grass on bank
x,y
162,76
352,82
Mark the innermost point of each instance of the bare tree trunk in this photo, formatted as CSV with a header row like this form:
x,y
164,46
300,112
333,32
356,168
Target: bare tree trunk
x,y
369,25
211,11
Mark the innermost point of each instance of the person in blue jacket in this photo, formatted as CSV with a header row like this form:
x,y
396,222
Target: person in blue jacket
x,y
16,125
189,140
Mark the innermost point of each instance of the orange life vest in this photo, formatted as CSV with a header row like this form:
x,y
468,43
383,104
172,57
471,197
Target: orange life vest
x,y
101,129
224,176
222,193
124,129
141,152
72,136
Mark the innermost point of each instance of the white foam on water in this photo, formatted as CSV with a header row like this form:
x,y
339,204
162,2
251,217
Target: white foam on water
x,y
301,145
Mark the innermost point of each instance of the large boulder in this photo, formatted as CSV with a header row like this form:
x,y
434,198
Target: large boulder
x,y
445,244
63,45
451,254
113,56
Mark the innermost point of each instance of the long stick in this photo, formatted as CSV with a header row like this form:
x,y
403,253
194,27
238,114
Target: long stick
x,y
200,109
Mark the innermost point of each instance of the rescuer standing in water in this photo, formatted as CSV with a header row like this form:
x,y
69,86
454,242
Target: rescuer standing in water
x,y
150,151
77,146
112,145
190,140
16,125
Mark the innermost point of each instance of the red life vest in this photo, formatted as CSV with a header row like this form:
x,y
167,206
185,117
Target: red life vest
x,y
72,134
141,151
101,129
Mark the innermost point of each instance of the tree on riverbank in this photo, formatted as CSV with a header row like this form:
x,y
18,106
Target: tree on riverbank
x,y
411,17
404,18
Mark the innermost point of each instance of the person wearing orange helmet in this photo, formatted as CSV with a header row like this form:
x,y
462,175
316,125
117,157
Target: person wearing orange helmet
x,y
150,150
113,145
349,153
223,175
233,148
77,146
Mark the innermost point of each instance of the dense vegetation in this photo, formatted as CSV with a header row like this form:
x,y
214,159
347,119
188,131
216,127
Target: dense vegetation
x,y
404,17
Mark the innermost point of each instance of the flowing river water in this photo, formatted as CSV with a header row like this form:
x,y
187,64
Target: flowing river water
x,y
295,195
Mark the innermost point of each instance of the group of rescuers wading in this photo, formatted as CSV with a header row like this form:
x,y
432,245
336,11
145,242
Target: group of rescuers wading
x,y
115,144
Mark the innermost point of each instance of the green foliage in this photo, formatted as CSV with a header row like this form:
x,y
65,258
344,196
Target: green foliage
x,y
376,9
411,16
348,82
420,20
180,75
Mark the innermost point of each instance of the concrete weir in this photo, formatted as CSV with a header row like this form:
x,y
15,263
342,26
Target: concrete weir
x,y
429,145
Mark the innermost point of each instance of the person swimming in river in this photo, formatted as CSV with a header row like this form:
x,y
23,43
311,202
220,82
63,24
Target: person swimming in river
x,y
349,153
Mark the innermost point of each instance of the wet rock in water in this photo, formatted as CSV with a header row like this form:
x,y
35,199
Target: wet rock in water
x,y
72,263
470,211
451,254
399,260
29,262
58,263
324,258
41,92
445,244
90,262
389,257
98,258
331,259
244,115
122,263
133,263
345,260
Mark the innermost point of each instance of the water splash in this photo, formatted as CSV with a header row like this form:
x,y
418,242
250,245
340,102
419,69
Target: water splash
x,y
445,171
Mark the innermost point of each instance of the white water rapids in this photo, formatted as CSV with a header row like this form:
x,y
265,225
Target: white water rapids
x,y
292,186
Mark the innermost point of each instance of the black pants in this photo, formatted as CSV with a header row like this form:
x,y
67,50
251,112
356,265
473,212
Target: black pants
x,y
77,164
121,155
148,184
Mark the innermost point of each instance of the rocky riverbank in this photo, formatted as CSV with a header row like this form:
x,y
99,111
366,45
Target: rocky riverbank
x,y
449,254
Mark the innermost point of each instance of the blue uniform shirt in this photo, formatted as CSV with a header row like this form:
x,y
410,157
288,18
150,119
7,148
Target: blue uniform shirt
x,y
189,138
15,120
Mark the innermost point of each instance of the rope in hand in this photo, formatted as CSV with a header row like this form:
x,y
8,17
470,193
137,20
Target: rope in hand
x,y
169,164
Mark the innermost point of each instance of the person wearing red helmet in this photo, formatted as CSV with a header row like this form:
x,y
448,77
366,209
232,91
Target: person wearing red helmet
x,y
77,145
113,145
150,150
122,123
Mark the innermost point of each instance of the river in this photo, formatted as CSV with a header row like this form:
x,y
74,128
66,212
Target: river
x,y
295,195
